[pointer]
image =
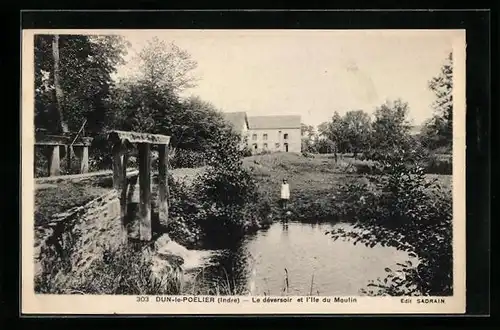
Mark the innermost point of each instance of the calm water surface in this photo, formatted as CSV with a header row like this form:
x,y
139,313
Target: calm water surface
x,y
313,261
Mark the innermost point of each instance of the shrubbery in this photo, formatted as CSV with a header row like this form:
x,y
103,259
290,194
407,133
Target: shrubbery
x,y
222,203
247,152
399,210
185,213
122,271
185,158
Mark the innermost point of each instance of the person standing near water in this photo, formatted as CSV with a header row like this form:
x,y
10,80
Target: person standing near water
x,y
285,194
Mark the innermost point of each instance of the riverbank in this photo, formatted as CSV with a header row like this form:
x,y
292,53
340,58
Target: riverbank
x,y
404,208
317,193
316,183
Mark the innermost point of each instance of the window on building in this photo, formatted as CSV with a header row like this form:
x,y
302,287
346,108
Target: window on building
x,y
277,145
279,134
254,137
255,146
285,136
265,136
265,145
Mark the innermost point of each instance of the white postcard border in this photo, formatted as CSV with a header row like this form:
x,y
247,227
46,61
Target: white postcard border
x,y
32,303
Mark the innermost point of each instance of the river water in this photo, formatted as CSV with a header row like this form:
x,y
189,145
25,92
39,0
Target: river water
x,y
312,262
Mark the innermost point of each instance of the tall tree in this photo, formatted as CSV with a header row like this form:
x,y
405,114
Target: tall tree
x,y
439,130
165,65
334,132
57,85
82,71
356,127
150,100
391,127
308,138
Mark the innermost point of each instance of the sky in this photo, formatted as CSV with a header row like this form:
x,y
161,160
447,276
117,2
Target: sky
x,y
308,73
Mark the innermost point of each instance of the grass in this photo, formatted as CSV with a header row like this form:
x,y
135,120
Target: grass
x,y
315,189
314,182
58,198
123,271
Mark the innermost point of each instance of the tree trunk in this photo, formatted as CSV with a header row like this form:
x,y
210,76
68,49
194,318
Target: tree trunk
x,y
57,84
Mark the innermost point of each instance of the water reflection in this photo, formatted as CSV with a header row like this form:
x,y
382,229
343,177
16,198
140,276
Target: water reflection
x,y
313,261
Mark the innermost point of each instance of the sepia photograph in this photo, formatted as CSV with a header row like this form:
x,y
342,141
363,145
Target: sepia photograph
x,y
244,167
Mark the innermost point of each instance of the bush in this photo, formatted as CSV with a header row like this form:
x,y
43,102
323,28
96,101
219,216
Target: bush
x,y
362,168
400,212
247,152
226,192
185,213
222,203
437,165
185,158
307,154
432,163
122,271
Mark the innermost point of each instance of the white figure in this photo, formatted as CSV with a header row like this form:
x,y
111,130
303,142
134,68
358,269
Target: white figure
x,y
285,193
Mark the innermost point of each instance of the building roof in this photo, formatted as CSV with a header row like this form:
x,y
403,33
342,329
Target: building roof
x,y
270,122
236,119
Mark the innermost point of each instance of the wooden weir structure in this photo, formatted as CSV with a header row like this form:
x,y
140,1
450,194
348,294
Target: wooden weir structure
x,y
122,142
53,145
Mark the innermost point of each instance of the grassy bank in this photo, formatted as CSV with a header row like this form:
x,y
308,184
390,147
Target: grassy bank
x,y
315,183
402,207
54,199
317,191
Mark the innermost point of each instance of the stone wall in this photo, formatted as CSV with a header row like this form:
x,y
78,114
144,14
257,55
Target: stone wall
x,y
81,234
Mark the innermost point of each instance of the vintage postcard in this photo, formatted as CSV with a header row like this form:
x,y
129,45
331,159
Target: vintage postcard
x,y
243,171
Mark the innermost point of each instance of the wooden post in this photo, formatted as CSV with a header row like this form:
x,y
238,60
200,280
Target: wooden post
x,y
84,161
163,184
123,198
117,166
120,184
54,161
68,158
145,230
82,153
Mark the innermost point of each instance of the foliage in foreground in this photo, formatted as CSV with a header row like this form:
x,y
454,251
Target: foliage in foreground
x,y
221,204
122,271
400,212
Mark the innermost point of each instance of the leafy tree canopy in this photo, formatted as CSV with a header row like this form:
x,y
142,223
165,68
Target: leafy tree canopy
x,y
86,65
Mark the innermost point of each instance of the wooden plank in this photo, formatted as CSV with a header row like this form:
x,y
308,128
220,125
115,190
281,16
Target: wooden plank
x,y
120,184
82,177
163,184
135,137
51,140
145,230
117,166
54,161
